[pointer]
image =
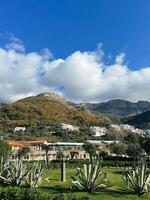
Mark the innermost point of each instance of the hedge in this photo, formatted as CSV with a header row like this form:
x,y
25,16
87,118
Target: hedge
x,y
13,193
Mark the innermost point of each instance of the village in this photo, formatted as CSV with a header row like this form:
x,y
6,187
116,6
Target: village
x,y
70,150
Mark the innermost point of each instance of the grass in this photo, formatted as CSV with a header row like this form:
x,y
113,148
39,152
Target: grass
x,y
114,192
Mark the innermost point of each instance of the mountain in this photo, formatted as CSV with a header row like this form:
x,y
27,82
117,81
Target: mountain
x,y
47,108
118,107
141,120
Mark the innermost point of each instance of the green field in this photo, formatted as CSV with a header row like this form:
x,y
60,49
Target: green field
x,y
114,192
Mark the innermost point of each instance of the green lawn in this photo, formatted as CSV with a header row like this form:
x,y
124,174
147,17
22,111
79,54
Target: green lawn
x,y
113,193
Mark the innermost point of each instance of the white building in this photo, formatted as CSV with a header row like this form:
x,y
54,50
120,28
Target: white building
x,y
19,129
98,131
71,150
69,127
99,142
115,126
132,129
147,132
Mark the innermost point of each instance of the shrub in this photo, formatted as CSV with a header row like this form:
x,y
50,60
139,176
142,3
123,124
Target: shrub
x,y
14,193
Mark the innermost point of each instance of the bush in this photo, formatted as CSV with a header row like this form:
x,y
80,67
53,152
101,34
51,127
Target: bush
x,y
15,193
69,163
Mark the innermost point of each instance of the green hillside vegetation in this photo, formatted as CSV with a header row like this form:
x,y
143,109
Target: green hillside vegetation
x,y
48,108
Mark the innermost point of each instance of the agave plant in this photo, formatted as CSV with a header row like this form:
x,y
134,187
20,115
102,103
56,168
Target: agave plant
x,y
13,173
90,178
4,173
35,175
137,179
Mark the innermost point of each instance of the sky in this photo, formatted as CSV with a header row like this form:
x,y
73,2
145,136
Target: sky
x,y
86,51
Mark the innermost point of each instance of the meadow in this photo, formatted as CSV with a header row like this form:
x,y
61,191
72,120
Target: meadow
x,y
114,192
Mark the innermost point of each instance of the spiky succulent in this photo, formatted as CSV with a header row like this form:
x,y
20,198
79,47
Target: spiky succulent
x,y
137,179
18,173
35,175
90,178
13,173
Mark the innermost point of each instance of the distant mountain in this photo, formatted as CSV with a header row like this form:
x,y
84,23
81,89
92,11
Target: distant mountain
x,y
117,107
140,120
47,108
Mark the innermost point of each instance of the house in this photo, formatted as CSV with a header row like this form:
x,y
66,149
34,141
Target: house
x,y
19,144
115,126
102,144
68,127
132,129
38,152
19,129
98,131
147,132
127,127
67,148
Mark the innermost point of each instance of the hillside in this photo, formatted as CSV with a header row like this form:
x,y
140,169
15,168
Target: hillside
x,y
118,107
47,108
140,120
2,104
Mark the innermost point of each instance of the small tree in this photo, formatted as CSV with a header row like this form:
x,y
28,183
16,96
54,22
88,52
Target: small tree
x,y
59,155
90,149
118,148
146,145
5,150
24,151
134,150
46,148
73,154
131,138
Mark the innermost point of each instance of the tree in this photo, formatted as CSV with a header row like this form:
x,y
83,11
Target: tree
x,y
114,134
73,154
23,151
5,150
90,149
131,138
46,148
146,145
59,155
102,153
118,148
134,150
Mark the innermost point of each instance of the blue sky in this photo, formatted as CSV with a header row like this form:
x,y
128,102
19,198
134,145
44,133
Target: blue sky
x,y
71,30
65,26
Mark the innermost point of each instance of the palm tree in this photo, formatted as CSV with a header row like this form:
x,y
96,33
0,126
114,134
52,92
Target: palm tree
x,y
46,148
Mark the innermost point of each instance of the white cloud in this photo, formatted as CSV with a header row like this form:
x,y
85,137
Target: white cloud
x,y
82,76
13,42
